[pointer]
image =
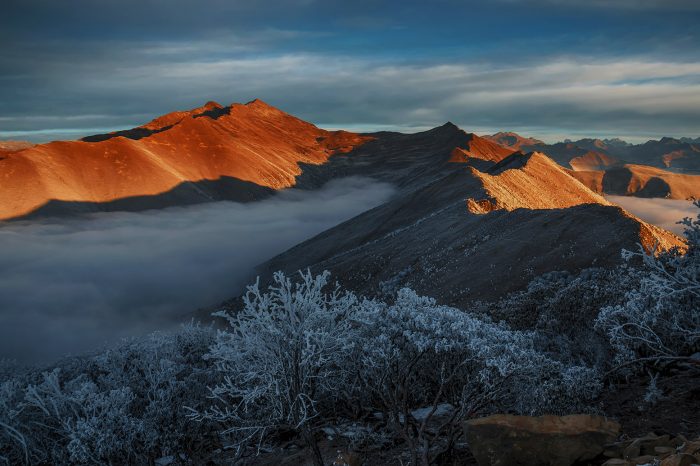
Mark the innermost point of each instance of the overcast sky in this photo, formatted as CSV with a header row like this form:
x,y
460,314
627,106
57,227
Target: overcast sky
x,y
547,68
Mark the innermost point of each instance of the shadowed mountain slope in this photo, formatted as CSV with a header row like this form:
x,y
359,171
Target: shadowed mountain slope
x,y
407,160
476,233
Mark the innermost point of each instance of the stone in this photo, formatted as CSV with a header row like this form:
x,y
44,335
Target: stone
x,y
691,448
617,462
508,440
646,459
646,445
663,450
681,459
615,450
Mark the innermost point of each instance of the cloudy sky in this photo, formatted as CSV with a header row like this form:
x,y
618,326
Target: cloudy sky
x,y
547,68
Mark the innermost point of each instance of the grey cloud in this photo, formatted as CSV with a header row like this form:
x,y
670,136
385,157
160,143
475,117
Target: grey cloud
x,y
71,285
81,83
633,97
668,5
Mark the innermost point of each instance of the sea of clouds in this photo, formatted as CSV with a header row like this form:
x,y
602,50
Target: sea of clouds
x,y
74,285
665,213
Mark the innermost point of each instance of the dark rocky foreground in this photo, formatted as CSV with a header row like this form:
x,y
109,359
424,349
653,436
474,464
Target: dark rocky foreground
x,y
506,440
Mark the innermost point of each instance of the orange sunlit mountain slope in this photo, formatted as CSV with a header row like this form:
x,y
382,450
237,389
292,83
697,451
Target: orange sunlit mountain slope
x,y
254,143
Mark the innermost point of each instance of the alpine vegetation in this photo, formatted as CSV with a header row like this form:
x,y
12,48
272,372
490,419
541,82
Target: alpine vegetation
x,y
122,406
303,359
659,320
299,357
283,361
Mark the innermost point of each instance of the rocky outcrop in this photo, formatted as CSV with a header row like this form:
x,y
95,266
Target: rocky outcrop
x,y
506,440
662,450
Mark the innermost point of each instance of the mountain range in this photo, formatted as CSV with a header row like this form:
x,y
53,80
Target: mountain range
x,y
658,168
472,222
245,152
473,217
680,155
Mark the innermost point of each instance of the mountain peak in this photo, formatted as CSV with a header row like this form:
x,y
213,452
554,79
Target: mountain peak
x,y
447,128
512,140
259,103
531,181
211,105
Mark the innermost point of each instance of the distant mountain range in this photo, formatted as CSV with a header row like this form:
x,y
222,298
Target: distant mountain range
x,y
665,168
239,152
679,155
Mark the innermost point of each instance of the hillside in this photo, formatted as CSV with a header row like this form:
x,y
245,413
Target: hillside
x,y
462,200
237,152
641,181
476,233
7,147
668,168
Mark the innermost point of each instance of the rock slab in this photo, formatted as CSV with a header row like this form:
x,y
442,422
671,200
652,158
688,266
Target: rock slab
x,y
507,440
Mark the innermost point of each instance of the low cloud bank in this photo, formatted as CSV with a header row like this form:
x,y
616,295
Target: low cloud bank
x,y
73,285
665,213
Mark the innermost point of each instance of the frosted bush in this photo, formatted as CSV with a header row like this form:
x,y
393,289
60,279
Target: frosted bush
x,y
122,406
299,358
660,319
417,354
562,308
284,355
13,444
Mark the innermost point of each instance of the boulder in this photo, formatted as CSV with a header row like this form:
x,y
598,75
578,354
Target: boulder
x,y
507,440
681,459
617,462
647,445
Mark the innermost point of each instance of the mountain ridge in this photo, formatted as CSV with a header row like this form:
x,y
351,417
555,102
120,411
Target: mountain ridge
x,y
667,167
461,200
253,143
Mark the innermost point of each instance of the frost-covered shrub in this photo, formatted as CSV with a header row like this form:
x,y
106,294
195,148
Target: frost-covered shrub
x,y
296,356
417,354
562,307
660,319
122,406
283,358
166,372
298,359
13,444
78,423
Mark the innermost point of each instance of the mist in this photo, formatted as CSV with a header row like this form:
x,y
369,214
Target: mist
x,y
665,213
73,285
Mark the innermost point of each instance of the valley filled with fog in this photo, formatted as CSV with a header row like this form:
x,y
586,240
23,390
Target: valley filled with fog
x,y
665,213
75,284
